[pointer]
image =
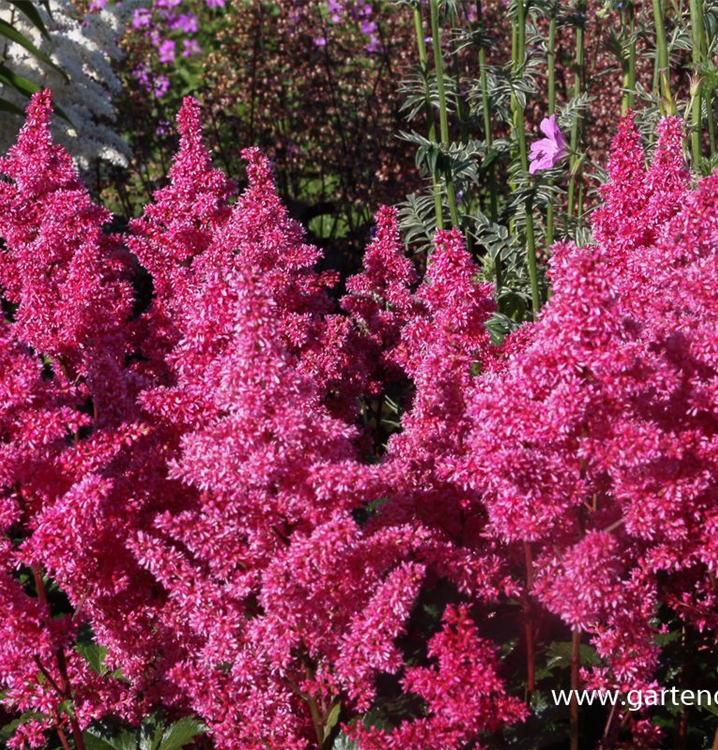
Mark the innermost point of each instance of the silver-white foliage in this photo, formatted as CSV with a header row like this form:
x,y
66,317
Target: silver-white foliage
x,y
85,48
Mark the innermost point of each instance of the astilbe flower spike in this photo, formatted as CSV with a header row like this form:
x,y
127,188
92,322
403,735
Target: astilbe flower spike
x,y
594,444
64,346
59,268
464,694
379,299
180,225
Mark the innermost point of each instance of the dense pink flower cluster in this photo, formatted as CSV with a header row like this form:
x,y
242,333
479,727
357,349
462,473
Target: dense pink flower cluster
x,y
595,444
207,483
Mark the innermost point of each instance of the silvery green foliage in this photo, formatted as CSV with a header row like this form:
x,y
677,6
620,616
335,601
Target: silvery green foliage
x,y
84,48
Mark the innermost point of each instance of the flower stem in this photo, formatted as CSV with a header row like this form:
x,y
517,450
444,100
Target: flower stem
x,y
696,10
443,109
629,75
667,105
577,81
528,615
520,127
488,138
430,120
551,66
575,667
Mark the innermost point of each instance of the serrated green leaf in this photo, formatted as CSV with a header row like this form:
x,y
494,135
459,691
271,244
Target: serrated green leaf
x,y
151,733
181,733
94,655
105,739
342,742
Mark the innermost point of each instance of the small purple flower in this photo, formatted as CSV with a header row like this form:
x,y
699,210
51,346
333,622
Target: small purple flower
x,y
190,48
185,22
336,11
373,45
141,18
167,51
160,86
546,153
215,3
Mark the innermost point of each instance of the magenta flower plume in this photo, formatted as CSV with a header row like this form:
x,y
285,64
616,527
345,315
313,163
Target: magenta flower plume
x,y
547,152
379,299
58,266
179,227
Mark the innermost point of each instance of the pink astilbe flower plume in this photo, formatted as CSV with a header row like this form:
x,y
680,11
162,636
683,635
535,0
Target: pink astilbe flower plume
x,y
464,695
188,485
595,444
180,225
58,266
379,299
267,537
64,347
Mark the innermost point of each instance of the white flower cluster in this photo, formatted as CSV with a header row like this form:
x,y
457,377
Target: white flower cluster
x,y
84,47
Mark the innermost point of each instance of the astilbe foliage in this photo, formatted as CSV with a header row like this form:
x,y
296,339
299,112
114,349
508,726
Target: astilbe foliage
x,y
188,481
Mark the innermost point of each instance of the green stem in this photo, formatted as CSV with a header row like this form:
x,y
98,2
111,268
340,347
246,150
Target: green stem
x,y
577,80
628,20
632,62
696,11
520,127
709,96
443,109
488,138
551,65
430,119
667,105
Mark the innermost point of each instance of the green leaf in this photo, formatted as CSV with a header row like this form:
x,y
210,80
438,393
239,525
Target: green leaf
x,y
6,106
181,733
104,739
32,13
25,87
342,742
11,33
94,655
559,654
19,83
332,719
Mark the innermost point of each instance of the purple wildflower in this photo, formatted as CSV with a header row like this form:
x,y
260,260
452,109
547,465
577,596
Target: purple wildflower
x,y
190,48
185,22
167,51
141,18
547,152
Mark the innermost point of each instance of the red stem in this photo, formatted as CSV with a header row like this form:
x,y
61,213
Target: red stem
x,y
575,665
529,626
